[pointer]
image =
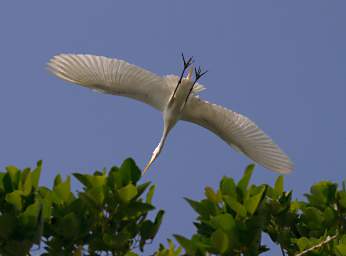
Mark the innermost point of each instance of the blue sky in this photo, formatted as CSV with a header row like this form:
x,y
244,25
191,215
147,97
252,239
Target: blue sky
x,y
281,63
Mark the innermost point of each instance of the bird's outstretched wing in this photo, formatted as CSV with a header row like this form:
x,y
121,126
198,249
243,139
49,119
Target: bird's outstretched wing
x,y
112,76
239,132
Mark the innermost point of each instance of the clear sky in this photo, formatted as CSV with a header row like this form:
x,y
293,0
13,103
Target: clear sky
x,y
281,63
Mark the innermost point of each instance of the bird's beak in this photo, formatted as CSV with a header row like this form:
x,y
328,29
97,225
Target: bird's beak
x,y
152,159
147,167
158,149
189,75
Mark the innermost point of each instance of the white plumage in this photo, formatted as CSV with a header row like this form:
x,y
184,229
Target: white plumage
x,y
176,98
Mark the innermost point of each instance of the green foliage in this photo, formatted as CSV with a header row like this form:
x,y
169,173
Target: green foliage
x,y
170,251
22,210
109,215
232,219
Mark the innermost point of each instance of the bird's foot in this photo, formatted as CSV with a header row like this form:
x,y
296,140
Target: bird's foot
x,y
186,63
199,73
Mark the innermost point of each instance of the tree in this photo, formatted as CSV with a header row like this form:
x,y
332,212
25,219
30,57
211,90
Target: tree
x,y
109,216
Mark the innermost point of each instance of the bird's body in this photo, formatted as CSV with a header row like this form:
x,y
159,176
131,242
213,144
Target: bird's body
x,y
173,111
177,98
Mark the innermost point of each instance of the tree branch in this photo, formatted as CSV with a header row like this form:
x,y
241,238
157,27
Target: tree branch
x,y
328,239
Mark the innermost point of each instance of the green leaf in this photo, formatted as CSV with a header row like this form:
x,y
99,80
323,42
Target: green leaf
x,y
14,198
27,186
7,183
244,181
57,180
130,172
196,206
303,243
141,188
220,241
14,174
313,218
187,244
96,194
251,203
342,199
149,229
343,239
2,186
91,181
83,178
150,194
127,193
30,215
322,193
47,206
205,208
70,225
158,221
22,178
135,209
279,185
228,187
171,251
63,190
224,222
340,250
295,206
212,196
235,206
35,175
330,216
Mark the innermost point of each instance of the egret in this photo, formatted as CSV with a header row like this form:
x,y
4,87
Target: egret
x,y
175,96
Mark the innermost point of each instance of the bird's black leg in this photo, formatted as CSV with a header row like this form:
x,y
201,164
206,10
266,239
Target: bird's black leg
x,y
198,74
186,65
188,62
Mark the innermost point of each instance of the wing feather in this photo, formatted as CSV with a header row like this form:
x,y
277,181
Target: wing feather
x,y
112,76
239,132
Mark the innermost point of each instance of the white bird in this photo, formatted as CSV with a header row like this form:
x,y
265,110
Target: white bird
x,y
177,98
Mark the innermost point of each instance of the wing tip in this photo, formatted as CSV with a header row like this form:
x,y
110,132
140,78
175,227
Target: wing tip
x,y
52,64
286,169
57,67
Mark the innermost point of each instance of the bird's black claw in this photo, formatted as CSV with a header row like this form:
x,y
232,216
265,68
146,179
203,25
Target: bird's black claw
x,y
188,62
199,73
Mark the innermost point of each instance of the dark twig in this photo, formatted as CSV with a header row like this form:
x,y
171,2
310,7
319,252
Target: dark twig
x,y
282,251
